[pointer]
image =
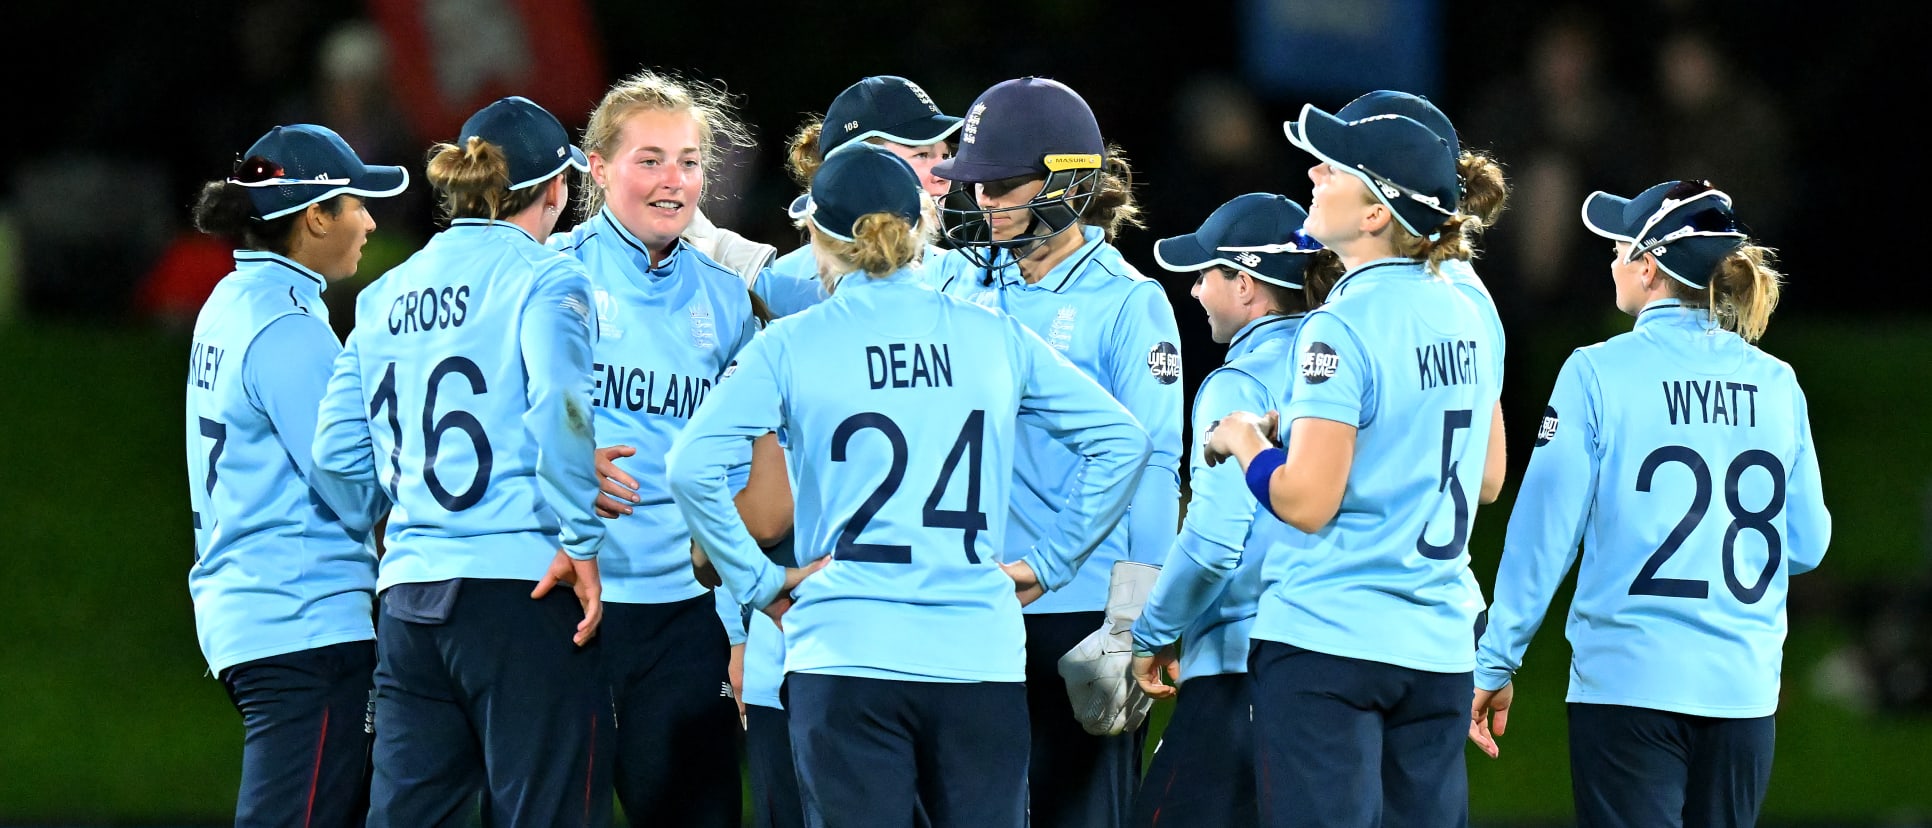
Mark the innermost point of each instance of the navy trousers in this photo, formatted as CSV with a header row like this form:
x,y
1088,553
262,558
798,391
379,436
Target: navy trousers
x,y
496,699
1342,742
774,779
1202,773
1640,767
677,726
306,735
1075,779
872,752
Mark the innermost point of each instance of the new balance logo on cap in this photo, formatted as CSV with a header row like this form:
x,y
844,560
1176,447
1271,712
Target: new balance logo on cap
x,y
851,125
1248,259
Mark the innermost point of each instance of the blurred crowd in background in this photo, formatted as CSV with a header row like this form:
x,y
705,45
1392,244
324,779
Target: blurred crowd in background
x,y
1767,100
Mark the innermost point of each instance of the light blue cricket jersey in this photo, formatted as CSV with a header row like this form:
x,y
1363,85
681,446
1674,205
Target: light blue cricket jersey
x,y
462,396
275,570
664,336
1116,326
790,283
902,408
1208,589
1680,456
1411,361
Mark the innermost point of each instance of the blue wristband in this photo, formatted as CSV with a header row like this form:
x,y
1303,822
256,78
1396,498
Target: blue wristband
x,y
1260,469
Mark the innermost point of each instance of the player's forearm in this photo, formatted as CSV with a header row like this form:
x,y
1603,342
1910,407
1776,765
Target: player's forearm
x,y
1538,551
1154,516
557,358
344,469
1185,590
697,477
1114,456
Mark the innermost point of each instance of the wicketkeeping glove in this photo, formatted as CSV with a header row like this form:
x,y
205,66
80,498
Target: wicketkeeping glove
x,y
1099,670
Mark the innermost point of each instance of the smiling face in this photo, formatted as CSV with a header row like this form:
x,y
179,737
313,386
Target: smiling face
x,y
1220,292
654,178
1336,206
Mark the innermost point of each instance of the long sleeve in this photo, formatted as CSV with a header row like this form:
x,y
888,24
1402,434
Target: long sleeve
x,y
556,344
286,373
1807,522
739,410
1221,511
1068,405
1145,368
730,612
1545,525
344,470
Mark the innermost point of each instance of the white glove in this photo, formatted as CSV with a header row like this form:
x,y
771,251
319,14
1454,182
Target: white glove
x,y
737,253
1099,670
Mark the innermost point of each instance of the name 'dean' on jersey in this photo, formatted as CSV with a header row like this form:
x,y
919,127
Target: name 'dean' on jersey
x,y
902,407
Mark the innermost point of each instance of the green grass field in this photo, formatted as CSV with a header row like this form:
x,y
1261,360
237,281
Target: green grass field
x,y
107,716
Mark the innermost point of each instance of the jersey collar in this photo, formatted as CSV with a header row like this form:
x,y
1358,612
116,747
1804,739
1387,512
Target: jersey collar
x,y
1261,330
1069,268
1674,312
488,224
857,280
639,254
281,270
1370,272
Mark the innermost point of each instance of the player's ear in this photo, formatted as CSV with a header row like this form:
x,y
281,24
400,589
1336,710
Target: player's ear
x,y
1244,287
598,167
317,220
1377,218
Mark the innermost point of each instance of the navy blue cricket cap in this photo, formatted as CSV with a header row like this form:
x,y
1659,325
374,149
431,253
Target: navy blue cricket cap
x,y
1406,165
1258,234
1688,226
307,163
1392,102
888,107
536,144
857,182
1025,126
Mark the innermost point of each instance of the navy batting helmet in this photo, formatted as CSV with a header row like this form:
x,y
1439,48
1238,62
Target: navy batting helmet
x,y
1019,129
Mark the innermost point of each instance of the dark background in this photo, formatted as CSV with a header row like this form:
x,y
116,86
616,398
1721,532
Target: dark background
x,y
1801,111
